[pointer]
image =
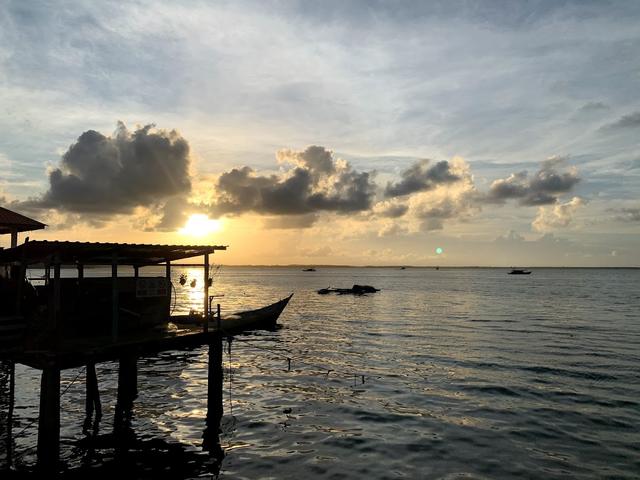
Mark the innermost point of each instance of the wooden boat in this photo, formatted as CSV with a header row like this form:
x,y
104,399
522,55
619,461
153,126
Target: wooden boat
x,y
309,270
517,271
263,318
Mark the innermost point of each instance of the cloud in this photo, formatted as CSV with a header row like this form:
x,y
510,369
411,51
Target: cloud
x,y
594,107
390,209
627,214
447,201
100,176
315,181
631,120
419,177
291,221
543,188
558,216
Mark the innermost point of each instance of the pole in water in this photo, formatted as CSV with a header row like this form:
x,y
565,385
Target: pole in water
x,y
288,364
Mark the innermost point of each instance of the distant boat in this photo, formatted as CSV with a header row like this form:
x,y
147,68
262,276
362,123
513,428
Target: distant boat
x,y
355,290
309,270
403,268
516,271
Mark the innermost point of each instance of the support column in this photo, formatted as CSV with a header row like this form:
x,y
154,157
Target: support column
x,y
205,277
127,391
11,401
14,238
215,408
49,419
92,399
55,317
114,298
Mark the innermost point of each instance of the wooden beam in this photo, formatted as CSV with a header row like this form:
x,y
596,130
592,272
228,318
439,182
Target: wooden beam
x,y
14,238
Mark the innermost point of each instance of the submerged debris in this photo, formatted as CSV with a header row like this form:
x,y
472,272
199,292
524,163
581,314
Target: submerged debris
x,y
355,290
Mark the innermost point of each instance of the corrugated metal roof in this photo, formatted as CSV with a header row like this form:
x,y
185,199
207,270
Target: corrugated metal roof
x,y
97,253
12,221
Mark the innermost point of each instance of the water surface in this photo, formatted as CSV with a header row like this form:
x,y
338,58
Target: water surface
x,y
442,374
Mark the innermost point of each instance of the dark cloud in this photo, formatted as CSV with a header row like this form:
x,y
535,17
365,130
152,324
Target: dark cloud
x,y
291,221
316,182
102,176
419,177
543,188
626,121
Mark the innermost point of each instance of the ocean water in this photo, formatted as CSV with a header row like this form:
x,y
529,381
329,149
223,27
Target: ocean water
x,y
450,373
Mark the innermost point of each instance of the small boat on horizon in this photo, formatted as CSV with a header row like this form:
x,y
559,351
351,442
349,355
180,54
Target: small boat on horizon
x,y
308,269
518,271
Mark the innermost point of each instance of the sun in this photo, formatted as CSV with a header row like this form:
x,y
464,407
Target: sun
x,y
199,225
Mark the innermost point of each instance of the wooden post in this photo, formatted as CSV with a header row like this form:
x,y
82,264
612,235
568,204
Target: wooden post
x,y
215,408
127,390
80,271
136,271
49,419
14,238
21,272
55,311
11,401
114,298
167,272
205,277
92,399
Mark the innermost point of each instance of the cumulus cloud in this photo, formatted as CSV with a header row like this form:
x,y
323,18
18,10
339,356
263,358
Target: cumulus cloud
x,y
314,181
421,177
558,216
449,200
100,176
543,188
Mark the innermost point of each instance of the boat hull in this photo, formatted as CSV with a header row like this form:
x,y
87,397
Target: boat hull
x,y
264,318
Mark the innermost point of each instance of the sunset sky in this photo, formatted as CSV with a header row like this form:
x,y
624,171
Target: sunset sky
x,y
347,132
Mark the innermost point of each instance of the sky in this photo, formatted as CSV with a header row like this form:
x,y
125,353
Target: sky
x,y
355,132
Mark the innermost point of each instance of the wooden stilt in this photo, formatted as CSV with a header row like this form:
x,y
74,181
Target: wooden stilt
x,y
11,401
49,421
127,390
215,409
92,401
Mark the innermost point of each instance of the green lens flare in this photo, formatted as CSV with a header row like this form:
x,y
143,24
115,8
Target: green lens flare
x,y
439,250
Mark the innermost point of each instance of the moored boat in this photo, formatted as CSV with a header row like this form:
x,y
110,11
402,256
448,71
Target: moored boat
x,y
258,319
517,271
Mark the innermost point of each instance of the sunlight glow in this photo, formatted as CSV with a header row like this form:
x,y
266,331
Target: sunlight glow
x,y
200,225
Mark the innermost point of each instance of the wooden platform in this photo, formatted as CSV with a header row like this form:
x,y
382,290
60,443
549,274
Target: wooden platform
x,y
78,352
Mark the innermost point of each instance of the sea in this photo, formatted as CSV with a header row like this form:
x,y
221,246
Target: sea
x,y
446,374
